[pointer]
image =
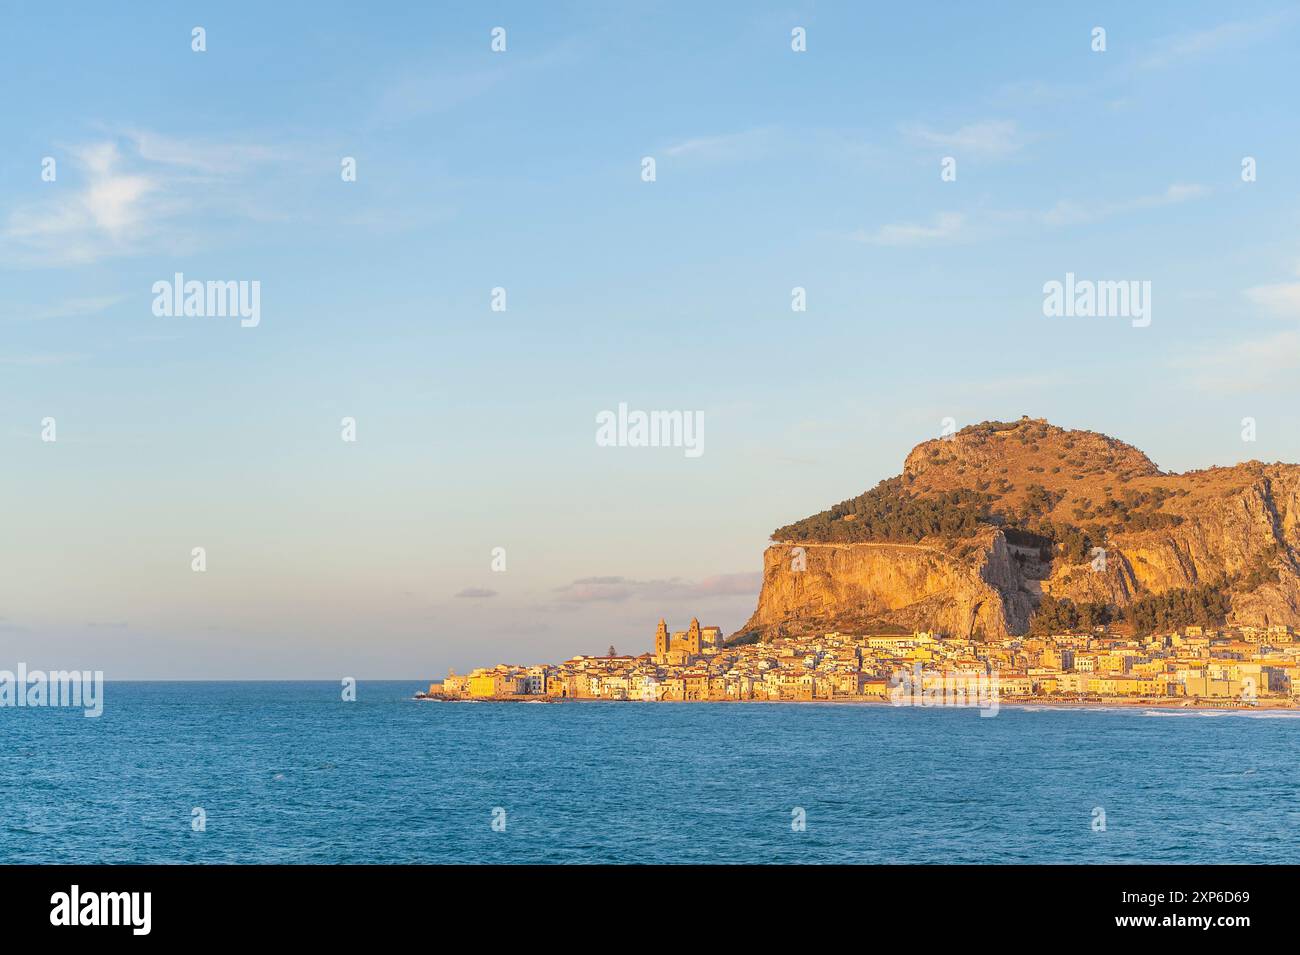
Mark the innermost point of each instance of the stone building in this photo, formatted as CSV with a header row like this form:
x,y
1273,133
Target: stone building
x,y
682,647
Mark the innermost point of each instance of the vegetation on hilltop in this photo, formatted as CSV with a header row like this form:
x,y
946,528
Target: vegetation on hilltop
x,y
989,427
888,513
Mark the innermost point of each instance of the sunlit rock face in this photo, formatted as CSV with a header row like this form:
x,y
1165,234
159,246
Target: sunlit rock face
x,y
1148,532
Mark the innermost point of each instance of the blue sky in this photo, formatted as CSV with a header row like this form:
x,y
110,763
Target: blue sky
x,y
522,169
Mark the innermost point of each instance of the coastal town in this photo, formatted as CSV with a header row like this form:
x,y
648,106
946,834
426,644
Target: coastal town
x,y
1192,666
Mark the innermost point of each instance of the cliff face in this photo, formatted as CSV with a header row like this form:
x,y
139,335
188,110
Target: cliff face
x,y
851,586
1146,533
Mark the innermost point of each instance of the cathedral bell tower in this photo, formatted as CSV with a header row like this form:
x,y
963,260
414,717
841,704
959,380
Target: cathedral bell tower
x,y
661,642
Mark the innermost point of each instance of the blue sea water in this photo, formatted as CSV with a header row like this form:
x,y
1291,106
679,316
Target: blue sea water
x,y
288,772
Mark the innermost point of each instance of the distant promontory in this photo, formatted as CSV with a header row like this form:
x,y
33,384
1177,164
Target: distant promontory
x,y
1006,527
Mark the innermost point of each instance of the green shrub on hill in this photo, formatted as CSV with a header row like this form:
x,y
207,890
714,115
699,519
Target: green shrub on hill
x,y
888,513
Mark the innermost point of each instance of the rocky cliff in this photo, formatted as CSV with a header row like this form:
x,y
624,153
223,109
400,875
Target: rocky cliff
x,y
982,524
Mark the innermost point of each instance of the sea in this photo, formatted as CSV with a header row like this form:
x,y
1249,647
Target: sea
x,y
265,772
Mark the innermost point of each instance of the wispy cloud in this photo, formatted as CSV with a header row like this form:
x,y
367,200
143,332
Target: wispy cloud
x,y
1268,360
1037,93
211,158
1071,212
67,308
429,86
945,227
620,589
741,145
421,93
1250,365
478,593
1178,48
1281,300
991,139
40,360
957,226
1165,52
111,213
121,196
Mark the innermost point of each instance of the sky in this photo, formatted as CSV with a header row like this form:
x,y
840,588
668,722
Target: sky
x,y
524,169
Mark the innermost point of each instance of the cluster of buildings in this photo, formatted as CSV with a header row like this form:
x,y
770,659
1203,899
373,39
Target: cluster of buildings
x,y
1231,667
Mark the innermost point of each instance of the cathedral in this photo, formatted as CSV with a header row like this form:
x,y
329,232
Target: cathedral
x,y
682,647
